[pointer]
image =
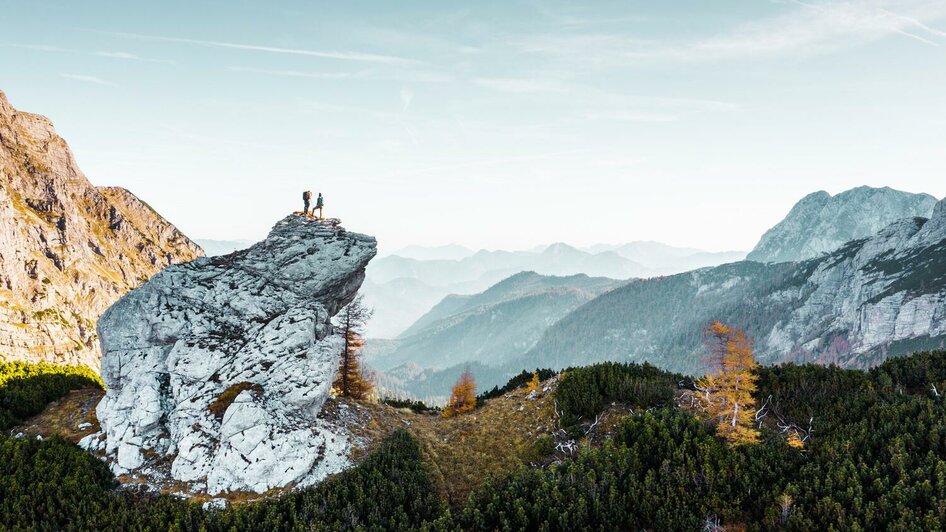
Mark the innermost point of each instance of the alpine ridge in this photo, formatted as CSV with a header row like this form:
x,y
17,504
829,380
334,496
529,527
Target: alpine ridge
x,y
68,249
821,223
873,298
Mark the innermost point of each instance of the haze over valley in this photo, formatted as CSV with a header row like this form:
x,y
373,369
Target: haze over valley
x,y
473,266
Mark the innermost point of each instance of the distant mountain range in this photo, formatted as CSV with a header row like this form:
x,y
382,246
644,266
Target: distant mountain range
x,y
821,223
402,288
447,252
872,298
494,326
861,301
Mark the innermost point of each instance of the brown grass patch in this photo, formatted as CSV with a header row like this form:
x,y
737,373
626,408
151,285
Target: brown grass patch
x,y
219,406
64,416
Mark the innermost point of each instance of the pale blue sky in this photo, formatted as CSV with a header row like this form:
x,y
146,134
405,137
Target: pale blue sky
x,y
490,124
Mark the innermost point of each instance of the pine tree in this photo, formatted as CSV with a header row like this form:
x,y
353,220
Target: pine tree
x,y
462,396
728,391
351,380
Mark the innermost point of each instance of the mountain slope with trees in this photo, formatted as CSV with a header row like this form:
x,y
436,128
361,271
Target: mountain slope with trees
x,y
488,329
873,298
635,460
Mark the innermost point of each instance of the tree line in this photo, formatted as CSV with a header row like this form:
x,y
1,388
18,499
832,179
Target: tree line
x,y
874,459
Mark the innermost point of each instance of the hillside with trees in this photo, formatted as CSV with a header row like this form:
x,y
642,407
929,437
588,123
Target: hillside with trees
x,y
871,299
628,448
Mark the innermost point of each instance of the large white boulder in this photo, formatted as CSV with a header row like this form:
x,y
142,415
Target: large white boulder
x,y
216,370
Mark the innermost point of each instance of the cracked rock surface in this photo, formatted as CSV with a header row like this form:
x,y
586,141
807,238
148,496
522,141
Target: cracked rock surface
x,y
216,370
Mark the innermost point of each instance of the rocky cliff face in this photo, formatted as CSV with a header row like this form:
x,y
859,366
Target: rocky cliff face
x,y
872,298
68,250
821,223
216,370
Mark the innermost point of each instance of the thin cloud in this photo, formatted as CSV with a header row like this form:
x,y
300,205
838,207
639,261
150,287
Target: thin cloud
x,y
608,105
88,79
822,26
132,57
406,97
373,74
111,55
521,85
346,56
804,27
632,116
294,73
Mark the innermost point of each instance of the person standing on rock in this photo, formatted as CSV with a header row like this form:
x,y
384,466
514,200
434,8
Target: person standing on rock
x,y
306,198
318,205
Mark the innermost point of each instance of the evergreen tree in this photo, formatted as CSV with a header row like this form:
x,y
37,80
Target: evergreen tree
x,y
351,380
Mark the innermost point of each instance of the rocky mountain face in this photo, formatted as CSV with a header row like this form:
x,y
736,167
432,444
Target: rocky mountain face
x,y
821,223
216,370
68,249
872,298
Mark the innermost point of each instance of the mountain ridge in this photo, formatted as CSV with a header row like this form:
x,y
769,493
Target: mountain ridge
x,y
68,249
821,223
868,300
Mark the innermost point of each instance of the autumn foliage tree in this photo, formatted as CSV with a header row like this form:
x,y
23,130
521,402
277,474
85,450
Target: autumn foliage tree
x,y
462,396
727,390
534,385
350,380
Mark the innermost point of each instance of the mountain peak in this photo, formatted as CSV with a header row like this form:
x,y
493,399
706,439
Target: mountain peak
x,y
820,223
70,249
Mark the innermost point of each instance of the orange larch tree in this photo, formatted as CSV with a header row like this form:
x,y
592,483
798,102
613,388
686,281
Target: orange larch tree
x,y
534,385
727,392
462,396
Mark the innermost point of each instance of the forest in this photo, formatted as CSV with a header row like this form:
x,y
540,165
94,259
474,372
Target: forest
x,y
874,457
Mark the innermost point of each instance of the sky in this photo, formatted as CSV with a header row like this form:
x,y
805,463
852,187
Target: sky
x,y
492,124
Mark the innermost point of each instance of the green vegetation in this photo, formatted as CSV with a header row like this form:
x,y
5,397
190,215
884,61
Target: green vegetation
x,y
516,382
25,389
875,460
418,407
583,393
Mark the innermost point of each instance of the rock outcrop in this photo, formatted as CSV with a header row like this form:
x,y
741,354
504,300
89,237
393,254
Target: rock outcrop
x,y
820,223
68,250
216,370
874,297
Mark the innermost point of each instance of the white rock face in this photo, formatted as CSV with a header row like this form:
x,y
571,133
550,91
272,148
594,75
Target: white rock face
x,y
820,223
886,289
221,365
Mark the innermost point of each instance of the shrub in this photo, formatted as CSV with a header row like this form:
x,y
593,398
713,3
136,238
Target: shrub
x,y
582,393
